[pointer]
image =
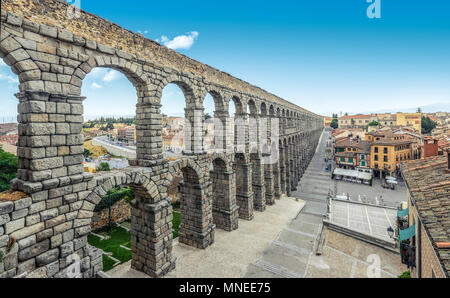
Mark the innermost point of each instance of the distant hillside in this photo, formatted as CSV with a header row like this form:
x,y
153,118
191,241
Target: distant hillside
x,y
432,108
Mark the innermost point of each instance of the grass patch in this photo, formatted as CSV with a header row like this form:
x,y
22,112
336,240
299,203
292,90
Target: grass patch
x,y
116,238
406,274
119,236
176,224
108,263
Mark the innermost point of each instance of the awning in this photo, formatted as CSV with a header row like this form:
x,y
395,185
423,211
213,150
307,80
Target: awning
x,y
407,233
402,213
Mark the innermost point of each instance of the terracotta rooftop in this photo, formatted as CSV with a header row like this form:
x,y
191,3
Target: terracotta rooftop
x,y
429,185
355,116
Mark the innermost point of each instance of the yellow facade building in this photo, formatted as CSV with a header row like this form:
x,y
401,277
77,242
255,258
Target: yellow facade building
x,y
413,120
387,154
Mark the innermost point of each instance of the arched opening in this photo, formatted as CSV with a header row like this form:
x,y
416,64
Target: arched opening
x,y
195,223
209,125
225,210
109,129
9,135
173,105
238,125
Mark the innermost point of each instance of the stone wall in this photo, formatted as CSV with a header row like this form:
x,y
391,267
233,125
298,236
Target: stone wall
x,y
120,212
35,242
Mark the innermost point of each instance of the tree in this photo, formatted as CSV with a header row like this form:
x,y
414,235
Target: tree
x,y
103,167
87,153
374,123
427,125
207,116
334,123
419,110
8,169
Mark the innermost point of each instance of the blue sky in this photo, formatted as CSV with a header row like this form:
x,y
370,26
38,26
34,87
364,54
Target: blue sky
x,y
326,56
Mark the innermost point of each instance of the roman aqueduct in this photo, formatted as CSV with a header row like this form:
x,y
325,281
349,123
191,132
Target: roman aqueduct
x,y
51,53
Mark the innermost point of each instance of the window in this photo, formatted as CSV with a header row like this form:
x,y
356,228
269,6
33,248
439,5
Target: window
x,y
363,156
376,149
363,163
385,159
385,150
343,159
376,157
350,160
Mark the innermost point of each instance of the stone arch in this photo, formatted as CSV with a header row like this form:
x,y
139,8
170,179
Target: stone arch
x,y
195,204
223,190
244,190
263,109
186,85
132,70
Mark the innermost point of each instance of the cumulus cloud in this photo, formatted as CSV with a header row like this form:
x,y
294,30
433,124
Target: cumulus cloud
x,y
111,75
143,32
181,42
96,86
5,76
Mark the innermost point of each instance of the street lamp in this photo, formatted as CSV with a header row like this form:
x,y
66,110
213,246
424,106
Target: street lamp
x,y
390,232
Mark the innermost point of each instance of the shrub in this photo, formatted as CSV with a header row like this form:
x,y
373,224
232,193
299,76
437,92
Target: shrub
x,y
8,169
103,167
406,274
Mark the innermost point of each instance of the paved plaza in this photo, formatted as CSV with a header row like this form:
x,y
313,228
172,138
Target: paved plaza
x,y
370,220
375,194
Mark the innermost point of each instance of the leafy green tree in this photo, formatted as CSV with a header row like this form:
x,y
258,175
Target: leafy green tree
x,y
374,123
8,169
87,153
103,167
427,125
334,123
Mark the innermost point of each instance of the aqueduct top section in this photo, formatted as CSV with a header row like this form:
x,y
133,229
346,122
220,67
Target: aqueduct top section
x,y
95,30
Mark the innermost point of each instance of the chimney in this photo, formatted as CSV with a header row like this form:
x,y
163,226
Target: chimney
x,y
448,160
430,147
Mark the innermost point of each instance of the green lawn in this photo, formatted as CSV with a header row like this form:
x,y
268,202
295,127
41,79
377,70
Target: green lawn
x,y
119,236
176,223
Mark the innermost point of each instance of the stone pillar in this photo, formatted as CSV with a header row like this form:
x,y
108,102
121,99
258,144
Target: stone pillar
x,y
50,140
268,161
223,141
288,170
193,134
282,170
241,138
149,141
151,235
196,228
244,189
225,209
276,172
258,184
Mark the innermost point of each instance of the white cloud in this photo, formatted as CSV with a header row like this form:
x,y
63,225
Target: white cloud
x,y
111,75
96,86
181,42
2,63
143,32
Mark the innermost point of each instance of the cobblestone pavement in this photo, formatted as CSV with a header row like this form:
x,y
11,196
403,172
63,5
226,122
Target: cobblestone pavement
x,y
290,254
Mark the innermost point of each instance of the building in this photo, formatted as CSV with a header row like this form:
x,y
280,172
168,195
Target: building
x,y
350,121
352,153
327,121
410,119
426,240
386,155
